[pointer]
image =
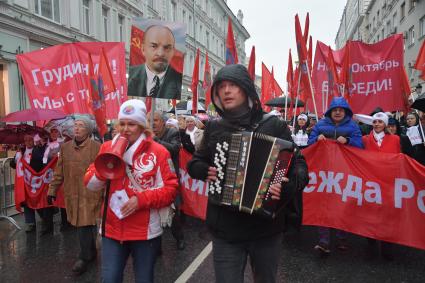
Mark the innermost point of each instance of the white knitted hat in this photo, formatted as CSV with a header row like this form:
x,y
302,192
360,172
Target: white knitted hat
x,y
133,109
381,116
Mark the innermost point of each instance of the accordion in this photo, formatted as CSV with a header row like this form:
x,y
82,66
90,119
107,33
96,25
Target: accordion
x,y
248,163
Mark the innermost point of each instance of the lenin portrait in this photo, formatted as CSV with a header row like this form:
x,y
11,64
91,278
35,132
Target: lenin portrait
x,y
155,64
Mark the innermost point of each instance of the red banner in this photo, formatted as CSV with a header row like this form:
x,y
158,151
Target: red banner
x,y
373,194
194,192
57,77
375,75
31,187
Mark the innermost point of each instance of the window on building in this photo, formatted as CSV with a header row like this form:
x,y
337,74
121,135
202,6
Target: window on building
x,y
121,22
216,47
184,16
394,20
389,28
105,18
174,11
200,35
48,9
377,16
86,16
191,64
373,23
412,4
422,27
382,34
207,37
402,11
411,36
190,25
222,51
150,3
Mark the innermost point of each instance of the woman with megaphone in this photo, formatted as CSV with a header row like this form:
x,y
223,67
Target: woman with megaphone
x,y
139,180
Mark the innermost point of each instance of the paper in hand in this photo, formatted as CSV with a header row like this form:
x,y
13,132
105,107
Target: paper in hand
x,y
117,201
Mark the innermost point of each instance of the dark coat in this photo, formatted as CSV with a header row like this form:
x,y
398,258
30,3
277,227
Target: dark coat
x,y
186,141
170,87
171,141
223,222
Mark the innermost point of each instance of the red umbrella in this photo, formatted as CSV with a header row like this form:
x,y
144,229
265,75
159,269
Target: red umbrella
x,y
33,115
14,134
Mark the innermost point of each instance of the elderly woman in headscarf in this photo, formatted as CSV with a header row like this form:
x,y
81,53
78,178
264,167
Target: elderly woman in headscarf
x,y
82,205
131,216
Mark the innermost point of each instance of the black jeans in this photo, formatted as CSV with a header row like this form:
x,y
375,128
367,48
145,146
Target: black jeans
x,y
230,259
87,239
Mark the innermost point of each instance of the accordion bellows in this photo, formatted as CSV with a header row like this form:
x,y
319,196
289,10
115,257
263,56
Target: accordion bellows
x,y
247,164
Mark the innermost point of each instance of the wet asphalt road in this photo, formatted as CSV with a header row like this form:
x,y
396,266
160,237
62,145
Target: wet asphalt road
x,y
35,258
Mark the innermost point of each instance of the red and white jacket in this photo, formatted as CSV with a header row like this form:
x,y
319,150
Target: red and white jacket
x,y
152,168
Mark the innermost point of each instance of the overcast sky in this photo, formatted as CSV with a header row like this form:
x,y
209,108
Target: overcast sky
x,y
271,26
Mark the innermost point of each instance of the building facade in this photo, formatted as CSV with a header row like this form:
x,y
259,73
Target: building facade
x,y
383,18
351,20
28,25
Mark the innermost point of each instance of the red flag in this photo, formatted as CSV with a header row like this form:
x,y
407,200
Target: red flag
x,y
231,53
405,85
420,61
277,90
306,27
346,76
97,97
106,75
206,84
290,75
290,83
195,81
310,51
333,80
174,102
303,58
266,84
148,103
251,65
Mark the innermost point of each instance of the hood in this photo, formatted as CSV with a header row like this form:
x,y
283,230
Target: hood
x,y
239,75
339,102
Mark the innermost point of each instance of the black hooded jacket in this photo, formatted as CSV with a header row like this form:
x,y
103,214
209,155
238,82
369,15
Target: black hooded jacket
x,y
223,222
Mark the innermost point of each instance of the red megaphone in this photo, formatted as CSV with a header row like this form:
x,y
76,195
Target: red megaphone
x,y
110,165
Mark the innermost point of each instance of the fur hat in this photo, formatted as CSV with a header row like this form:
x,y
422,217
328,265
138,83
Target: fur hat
x,y
133,109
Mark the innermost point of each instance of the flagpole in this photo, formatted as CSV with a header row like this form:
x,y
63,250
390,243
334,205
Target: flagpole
x,y
296,103
311,89
286,101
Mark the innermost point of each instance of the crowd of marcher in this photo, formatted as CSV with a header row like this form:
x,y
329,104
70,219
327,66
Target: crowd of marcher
x,y
139,205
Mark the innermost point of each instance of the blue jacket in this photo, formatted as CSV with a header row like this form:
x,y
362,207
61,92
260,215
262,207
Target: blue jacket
x,y
347,128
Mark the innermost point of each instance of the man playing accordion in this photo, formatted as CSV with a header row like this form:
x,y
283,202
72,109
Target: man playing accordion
x,y
237,234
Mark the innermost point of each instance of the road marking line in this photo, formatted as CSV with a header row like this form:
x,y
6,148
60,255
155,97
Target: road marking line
x,y
195,264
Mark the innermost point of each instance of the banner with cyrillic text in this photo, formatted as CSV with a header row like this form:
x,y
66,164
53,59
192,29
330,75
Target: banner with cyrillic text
x,y
57,77
372,194
375,75
31,187
194,192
